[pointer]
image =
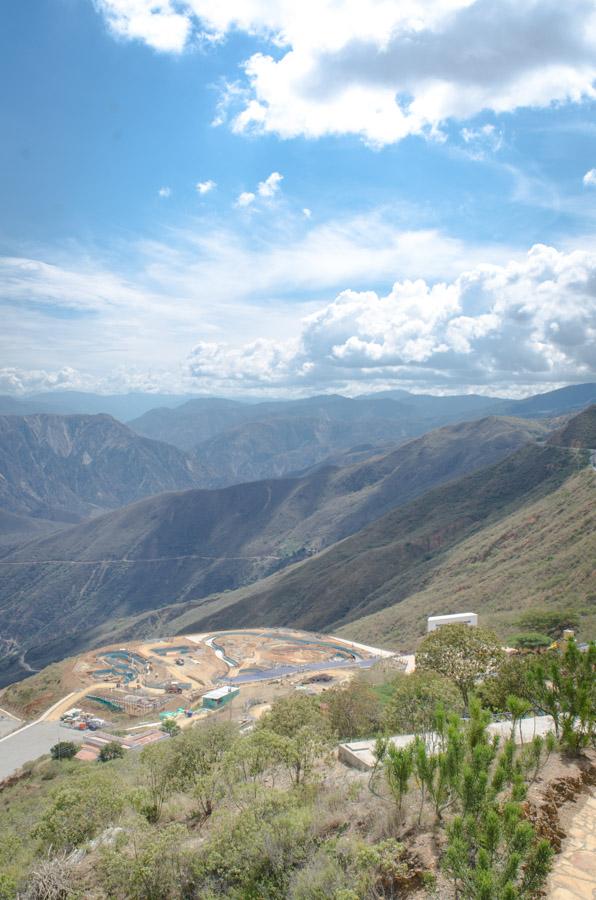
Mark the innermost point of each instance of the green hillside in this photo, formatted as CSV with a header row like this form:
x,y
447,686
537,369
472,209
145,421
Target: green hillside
x,y
580,431
541,555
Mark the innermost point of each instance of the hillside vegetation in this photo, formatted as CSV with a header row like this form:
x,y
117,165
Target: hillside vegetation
x,y
541,555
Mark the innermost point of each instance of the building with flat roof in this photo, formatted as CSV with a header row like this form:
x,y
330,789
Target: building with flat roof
x,y
219,697
435,622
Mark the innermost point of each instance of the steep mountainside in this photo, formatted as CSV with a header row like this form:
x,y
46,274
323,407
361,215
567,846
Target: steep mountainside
x,y
541,555
181,546
402,557
15,529
68,467
280,446
394,557
578,432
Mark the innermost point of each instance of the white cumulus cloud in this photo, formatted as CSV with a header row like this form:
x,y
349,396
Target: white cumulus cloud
x,y
589,178
245,198
530,321
158,23
165,192
379,68
270,186
205,187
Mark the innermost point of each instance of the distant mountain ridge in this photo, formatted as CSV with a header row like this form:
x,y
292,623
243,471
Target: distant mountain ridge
x,y
272,439
65,468
68,403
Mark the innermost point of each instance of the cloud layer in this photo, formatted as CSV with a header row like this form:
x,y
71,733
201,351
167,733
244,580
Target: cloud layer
x,y
381,69
527,322
222,310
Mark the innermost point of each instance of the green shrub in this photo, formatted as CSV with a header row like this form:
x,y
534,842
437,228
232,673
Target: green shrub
x,y
565,687
112,750
64,750
87,803
152,865
354,710
305,731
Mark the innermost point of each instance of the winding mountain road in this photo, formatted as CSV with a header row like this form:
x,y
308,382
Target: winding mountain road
x,y
102,562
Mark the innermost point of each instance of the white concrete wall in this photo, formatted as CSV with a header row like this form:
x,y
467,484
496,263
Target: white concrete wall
x,y
435,622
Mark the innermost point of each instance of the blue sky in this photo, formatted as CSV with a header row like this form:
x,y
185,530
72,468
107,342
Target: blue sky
x,y
372,186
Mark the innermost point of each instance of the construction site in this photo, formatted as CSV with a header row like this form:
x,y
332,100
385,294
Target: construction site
x,y
150,682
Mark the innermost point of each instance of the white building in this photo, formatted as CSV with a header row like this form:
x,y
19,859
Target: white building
x,y
435,622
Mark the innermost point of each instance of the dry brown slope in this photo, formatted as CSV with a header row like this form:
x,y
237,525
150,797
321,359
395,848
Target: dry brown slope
x,y
541,555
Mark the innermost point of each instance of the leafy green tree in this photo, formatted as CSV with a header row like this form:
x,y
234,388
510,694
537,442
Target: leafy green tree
x,y
301,752
461,653
193,763
195,752
565,687
171,727
552,622
255,760
411,709
64,750
157,780
531,640
354,710
306,732
91,800
512,677
290,714
111,750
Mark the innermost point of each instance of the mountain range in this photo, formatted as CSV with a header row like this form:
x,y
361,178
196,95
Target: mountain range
x,y
356,545
66,468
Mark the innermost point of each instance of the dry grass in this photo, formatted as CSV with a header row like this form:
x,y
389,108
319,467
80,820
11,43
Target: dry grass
x,y
541,555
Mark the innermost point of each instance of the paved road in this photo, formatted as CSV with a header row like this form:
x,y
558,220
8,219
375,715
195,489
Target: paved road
x,y
360,754
8,722
31,742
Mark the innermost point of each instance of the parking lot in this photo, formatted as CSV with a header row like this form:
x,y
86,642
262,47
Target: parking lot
x,y
31,742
